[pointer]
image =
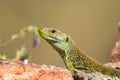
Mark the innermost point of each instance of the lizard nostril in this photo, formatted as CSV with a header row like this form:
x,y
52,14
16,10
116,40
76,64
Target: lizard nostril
x,y
53,31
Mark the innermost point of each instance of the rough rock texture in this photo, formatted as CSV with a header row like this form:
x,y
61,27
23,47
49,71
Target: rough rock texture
x,y
94,76
15,70
115,55
115,65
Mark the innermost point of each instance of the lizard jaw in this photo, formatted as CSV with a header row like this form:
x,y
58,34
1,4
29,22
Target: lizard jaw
x,y
46,36
57,39
50,34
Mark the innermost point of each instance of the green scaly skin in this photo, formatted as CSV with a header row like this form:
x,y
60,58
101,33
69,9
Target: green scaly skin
x,y
74,58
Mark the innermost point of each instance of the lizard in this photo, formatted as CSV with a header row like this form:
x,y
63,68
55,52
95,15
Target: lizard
x,y
75,58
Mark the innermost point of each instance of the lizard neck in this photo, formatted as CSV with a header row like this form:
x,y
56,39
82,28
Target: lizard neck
x,y
76,60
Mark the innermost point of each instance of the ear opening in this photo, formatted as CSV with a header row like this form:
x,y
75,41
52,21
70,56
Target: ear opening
x,y
67,39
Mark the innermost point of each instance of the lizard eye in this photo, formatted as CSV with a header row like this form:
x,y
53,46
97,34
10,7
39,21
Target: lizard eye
x,y
67,39
53,31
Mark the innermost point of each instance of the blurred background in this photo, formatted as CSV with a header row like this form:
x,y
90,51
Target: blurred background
x,y
91,23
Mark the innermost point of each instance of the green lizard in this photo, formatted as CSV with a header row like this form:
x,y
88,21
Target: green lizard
x,y
74,58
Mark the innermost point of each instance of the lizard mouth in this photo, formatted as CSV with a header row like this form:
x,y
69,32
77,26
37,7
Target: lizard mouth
x,y
43,33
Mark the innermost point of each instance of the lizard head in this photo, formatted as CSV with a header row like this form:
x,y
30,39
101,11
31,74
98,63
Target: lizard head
x,y
57,39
